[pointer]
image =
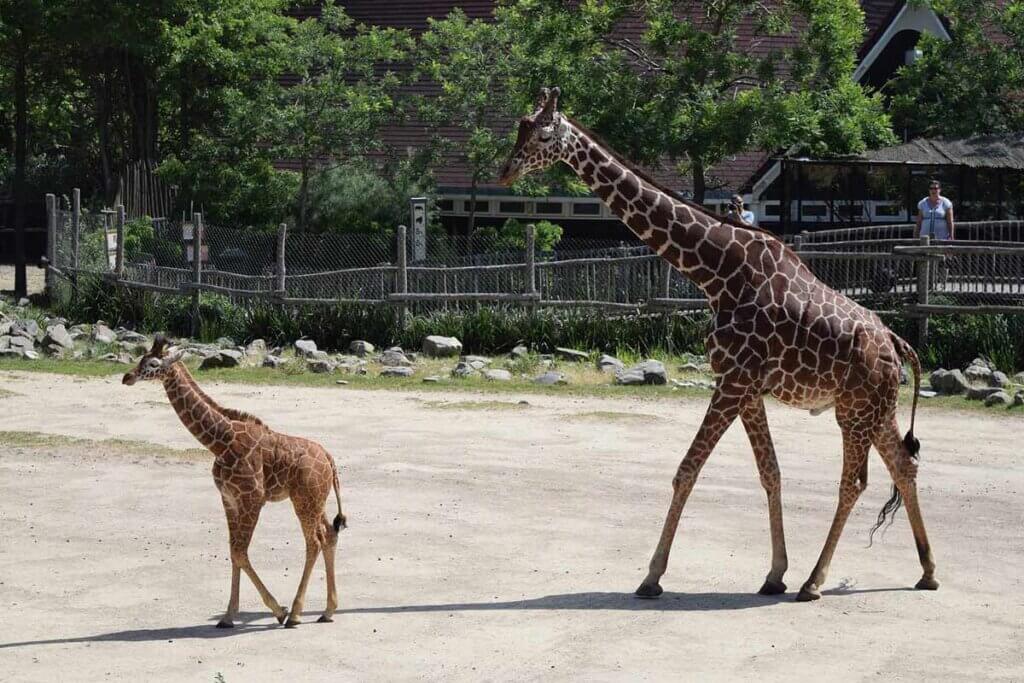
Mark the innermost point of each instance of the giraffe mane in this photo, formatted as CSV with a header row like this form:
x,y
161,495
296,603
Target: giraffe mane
x,y
646,177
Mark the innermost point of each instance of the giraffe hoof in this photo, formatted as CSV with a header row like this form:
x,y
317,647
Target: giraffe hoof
x,y
772,588
324,619
225,623
281,617
648,590
927,584
292,623
808,593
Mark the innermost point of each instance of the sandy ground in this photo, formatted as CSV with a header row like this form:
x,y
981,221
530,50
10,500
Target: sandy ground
x,y
36,279
496,544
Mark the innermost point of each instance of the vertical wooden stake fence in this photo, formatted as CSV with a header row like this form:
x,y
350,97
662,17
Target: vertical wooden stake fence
x,y
197,269
666,292
282,235
76,220
403,275
51,240
119,254
531,265
923,266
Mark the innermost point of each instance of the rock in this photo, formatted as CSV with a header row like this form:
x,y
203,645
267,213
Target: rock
x,y
924,393
648,372
433,379
5,327
5,342
342,382
12,353
980,393
394,358
225,342
978,373
954,383
22,343
476,362
998,398
103,334
320,366
122,358
521,351
57,335
27,328
78,331
257,347
904,376
1018,378
693,384
497,375
271,361
305,347
1018,398
30,354
571,354
225,358
999,379
463,370
938,379
319,355
22,302
550,378
608,363
130,336
982,362
689,367
440,347
397,371
361,348
351,364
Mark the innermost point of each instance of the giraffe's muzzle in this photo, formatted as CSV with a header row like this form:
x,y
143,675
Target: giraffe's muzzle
x,y
128,379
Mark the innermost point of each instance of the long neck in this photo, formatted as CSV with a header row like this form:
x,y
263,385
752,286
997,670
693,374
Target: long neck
x,y
207,424
689,239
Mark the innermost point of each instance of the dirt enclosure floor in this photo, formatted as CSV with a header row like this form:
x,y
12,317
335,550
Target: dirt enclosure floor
x,y
493,541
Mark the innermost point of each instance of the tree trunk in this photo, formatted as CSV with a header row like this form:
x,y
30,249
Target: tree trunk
x,y
699,181
20,153
472,210
101,92
303,198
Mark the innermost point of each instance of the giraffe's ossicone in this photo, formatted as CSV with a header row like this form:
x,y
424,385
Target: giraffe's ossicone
x,y
777,330
254,465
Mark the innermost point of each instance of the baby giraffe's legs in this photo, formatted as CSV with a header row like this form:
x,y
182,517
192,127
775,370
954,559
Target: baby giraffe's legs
x,y
229,616
329,546
242,518
312,530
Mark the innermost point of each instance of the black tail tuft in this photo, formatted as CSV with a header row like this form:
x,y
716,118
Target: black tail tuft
x,y
912,445
895,501
340,522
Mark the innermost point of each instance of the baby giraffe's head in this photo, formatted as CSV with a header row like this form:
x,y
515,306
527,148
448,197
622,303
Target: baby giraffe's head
x,y
154,365
541,140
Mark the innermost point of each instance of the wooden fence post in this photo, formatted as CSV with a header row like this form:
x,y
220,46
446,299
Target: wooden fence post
x,y
51,240
531,264
76,219
666,293
403,274
282,235
798,243
197,268
119,254
923,267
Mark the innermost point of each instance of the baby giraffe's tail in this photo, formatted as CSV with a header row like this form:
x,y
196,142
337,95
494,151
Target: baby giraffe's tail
x,y
339,519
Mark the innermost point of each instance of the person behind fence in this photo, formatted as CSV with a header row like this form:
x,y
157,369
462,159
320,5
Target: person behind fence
x,y
935,214
737,211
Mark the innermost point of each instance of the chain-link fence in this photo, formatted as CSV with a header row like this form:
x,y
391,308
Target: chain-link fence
x,y
884,267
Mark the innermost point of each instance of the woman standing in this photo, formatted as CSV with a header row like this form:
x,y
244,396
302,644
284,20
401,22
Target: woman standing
x,y
935,214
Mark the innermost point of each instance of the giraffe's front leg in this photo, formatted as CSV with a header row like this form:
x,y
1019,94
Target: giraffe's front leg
x,y
229,616
756,423
725,404
243,515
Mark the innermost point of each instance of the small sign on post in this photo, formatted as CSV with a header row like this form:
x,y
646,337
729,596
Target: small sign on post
x,y
418,218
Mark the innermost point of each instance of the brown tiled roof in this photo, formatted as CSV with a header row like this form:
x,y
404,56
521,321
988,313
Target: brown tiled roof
x,y
731,174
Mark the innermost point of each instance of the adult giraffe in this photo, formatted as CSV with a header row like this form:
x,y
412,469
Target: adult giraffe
x,y
777,330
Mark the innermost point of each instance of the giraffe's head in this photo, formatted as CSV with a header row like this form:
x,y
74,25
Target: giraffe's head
x,y
541,140
155,364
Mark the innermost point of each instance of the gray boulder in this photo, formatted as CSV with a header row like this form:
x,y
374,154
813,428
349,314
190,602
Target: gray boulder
x,y
5,327
980,374
57,335
103,334
904,376
5,342
257,347
938,379
608,363
1018,398
361,348
476,362
981,393
498,375
999,379
463,370
648,372
571,354
954,383
394,358
225,358
319,355
321,366
26,328
519,351
432,379
998,398
304,348
272,361
1018,378
225,342
437,346
397,371
22,343
550,378
130,336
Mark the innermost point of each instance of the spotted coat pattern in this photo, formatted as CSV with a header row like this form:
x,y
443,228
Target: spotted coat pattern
x,y
254,465
777,330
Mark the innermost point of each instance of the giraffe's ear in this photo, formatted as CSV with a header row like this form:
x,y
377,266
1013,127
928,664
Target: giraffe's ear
x,y
173,357
159,344
550,105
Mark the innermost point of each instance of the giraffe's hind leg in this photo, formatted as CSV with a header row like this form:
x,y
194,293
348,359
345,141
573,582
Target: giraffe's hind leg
x,y
756,423
310,517
329,547
903,468
856,444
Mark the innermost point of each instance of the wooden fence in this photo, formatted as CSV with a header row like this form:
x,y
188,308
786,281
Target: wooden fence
x,y
915,277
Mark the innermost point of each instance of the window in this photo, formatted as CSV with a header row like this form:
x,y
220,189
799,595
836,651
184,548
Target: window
x,y
814,210
849,211
446,205
511,207
549,207
772,210
586,209
481,207
888,210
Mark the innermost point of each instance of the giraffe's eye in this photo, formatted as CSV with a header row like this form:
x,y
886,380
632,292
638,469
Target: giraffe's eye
x,y
545,134
153,363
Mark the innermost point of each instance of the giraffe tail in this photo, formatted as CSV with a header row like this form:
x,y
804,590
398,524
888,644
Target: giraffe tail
x,y
339,520
910,442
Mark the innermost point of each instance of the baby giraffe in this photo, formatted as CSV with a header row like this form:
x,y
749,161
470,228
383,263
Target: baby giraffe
x,y
252,465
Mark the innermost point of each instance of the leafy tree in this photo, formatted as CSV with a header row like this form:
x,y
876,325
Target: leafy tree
x,y
693,86
973,83
511,236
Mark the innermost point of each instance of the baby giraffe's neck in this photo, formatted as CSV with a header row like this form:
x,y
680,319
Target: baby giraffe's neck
x,y
211,428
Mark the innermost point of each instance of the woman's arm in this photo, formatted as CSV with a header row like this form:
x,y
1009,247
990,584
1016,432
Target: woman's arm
x,y
949,221
920,217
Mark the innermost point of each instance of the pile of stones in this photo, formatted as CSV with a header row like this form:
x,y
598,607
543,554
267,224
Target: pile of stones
x,y
980,381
